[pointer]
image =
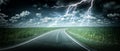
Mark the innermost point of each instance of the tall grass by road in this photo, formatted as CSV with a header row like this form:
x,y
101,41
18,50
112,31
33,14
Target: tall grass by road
x,y
101,38
11,36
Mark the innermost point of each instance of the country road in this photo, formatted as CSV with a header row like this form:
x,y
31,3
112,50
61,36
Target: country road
x,y
56,40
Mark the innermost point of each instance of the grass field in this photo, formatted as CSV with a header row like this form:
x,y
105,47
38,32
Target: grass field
x,y
11,36
101,38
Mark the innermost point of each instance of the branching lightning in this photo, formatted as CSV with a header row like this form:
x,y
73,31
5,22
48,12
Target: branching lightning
x,y
72,7
70,13
87,16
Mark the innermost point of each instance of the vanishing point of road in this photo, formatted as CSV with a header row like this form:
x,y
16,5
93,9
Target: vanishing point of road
x,y
56,40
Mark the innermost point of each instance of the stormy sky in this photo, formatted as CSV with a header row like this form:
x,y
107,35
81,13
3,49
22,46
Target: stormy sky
x,y
38,13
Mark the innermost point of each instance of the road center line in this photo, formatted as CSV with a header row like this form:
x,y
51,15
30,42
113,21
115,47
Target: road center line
x,y
57,36
14,46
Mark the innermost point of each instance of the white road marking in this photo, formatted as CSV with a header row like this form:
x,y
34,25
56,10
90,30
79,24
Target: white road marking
x,y
81,45
43,36
57,36
27,41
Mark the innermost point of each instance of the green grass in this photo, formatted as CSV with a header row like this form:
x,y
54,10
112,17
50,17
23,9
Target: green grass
x,y
101,38
11,36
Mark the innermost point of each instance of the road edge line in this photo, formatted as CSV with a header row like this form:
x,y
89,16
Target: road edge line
x,y
80,44
25,42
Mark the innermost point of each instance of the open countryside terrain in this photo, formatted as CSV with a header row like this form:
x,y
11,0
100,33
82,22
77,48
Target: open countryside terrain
x,y
12,36
100,38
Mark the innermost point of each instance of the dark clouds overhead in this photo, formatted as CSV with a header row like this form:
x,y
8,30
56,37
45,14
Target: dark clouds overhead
x,y
44,11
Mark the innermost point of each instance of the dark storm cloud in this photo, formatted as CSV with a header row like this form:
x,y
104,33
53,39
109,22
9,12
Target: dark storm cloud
x,y
3,1
3,21
2,18
15,18
111,5
47,10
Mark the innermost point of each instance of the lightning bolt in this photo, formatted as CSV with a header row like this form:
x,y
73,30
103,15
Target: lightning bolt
x,y
87,17
89,9
72,7
70,12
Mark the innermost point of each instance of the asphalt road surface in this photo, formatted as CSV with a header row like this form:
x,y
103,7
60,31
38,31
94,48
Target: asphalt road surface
x,y
56,40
